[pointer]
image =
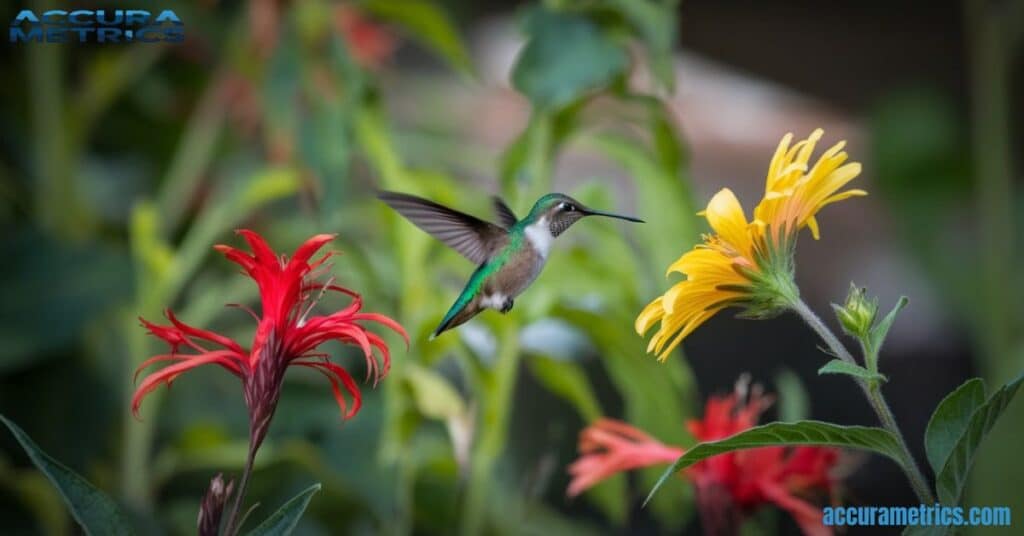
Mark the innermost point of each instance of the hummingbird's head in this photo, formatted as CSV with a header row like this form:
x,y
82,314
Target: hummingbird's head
x,y
561,211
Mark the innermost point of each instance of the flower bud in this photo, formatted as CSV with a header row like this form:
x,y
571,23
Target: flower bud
x,y
857,315
212,508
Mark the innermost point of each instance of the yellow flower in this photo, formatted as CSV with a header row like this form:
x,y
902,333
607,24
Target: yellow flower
x,y
750,263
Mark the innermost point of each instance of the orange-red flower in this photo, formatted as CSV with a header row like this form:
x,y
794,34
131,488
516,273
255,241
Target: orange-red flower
x,y
287,333
729,486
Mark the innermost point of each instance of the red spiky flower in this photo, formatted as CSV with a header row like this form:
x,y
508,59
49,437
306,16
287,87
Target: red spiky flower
x,y
287,334
729,486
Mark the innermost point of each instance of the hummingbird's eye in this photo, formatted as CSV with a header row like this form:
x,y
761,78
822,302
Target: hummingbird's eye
x,y
568,207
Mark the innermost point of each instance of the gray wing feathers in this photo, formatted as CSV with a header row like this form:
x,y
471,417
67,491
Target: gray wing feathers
x,y
474,238
506,217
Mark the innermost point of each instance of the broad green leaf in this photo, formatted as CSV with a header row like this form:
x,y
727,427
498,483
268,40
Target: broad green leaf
x,y
951,480
567,380
566,56
287,517
783,433
949,420
426,23
838,366
94,511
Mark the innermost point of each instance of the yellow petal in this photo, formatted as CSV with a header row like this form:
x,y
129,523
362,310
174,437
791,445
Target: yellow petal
x,y
726,216
651,314
812,224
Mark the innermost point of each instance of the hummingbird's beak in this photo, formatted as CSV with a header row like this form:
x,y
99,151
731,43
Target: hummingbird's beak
x,y
592,212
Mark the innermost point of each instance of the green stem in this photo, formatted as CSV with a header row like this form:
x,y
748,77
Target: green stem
x,y
493,426
138,433
231,529
874,395
992,161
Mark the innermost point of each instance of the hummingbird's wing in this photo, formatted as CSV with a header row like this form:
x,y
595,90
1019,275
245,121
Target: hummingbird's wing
x,y
474,238
506,217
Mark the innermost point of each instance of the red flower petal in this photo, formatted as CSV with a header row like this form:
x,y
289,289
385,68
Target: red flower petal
x,y
333,373
805,514
204,334
168,374
261,251
308,248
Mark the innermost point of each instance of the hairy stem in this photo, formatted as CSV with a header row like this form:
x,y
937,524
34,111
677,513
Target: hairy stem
x,y
874,395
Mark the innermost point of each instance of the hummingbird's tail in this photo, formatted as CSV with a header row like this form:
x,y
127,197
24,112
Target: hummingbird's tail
x,y
459,313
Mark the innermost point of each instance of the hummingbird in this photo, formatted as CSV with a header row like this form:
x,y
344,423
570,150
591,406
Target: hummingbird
x,y
509,254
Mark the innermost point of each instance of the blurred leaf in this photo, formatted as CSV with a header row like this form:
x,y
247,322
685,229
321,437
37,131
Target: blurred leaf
x,y
228,209
106,77
566,56
192,156
950,419
52,290
567,380
434,396
838,366
793,400
663,198
37,494
658,397
950,481
92,509
426,23
782,434
287,517
656,24
151,252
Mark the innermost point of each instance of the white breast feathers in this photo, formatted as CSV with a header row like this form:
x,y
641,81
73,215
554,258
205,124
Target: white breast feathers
x,y
539,235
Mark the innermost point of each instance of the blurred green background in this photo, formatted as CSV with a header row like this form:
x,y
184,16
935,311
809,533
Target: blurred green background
x,y
120,167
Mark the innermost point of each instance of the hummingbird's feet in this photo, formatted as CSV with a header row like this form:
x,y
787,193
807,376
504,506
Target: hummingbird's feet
x,y
507,305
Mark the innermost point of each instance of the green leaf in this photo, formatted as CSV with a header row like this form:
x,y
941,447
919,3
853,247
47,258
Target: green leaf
x,y
655,23
950,420
878,333
567,380
662,194
566,56
951,480
426,23
94,511
284,520
434,395
838,366
782,433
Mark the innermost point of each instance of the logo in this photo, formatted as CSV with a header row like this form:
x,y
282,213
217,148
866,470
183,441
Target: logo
x,y
96,26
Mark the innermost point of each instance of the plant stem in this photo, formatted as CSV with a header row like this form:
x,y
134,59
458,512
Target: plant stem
x,y
493,426
874,395
230,529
